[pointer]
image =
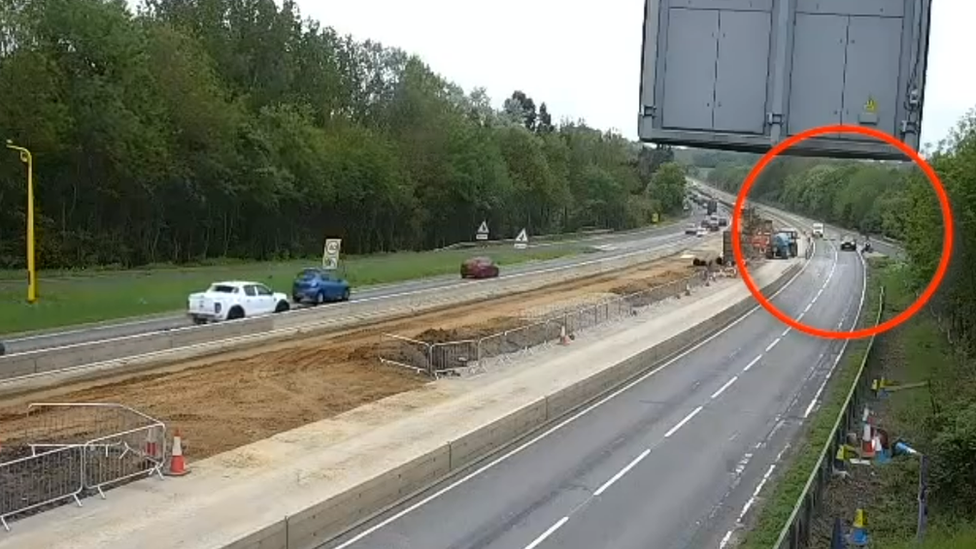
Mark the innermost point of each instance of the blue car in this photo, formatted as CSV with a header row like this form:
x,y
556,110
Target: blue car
x,y
319,286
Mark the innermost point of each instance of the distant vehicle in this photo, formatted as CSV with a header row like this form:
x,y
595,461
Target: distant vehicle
x,y
818,230
712,206
779,246
723,222
702,231
319,286
235,299
692,228
848,244
479,267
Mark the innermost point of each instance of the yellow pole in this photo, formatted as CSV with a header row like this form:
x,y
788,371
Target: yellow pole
x,y
27,158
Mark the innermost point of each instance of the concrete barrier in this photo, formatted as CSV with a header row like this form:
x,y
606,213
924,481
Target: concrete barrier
x,y
153,349
331,518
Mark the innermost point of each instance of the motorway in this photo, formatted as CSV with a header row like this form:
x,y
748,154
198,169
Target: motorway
x,y
673,460
609,246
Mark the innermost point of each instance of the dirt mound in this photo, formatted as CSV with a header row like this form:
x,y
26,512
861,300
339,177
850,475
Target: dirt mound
x,y
473,331
642,284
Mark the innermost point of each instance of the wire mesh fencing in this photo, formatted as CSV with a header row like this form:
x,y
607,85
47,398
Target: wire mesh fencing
x,y
72,450
475,355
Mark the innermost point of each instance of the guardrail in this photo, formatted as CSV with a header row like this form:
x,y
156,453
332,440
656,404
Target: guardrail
x,y
454,357
207,339
796,532
74,449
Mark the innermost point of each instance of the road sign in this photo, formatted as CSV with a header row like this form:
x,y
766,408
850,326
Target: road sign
x,y
522,240
747,74
330,257
482,231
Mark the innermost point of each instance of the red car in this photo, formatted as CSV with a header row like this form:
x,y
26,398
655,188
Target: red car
x,y
479,267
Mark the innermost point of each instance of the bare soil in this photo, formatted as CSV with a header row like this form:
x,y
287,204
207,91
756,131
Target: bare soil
x,y
223,402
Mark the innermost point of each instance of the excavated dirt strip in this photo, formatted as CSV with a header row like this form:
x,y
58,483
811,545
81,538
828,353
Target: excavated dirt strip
x,y
223,402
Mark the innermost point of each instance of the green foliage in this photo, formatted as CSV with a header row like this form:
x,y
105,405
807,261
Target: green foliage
x,y
208,128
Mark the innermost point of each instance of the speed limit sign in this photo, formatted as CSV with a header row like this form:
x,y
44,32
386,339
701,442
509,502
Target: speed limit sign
x,y
332,246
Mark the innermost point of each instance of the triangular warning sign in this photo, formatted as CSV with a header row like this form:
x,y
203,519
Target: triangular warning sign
x,y
522,237
483,229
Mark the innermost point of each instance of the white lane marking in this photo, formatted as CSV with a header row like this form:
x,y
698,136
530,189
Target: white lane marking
x,y
813,403
755,493
724,387
753,363
725,540
683,421
621,472
819,293
786,331
773,344
807,308
552,529
566,421
860,306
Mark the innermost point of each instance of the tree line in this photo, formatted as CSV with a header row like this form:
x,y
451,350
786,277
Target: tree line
x,y
193,129
897,200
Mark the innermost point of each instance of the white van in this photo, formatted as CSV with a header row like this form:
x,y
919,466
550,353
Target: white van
x,y
818,230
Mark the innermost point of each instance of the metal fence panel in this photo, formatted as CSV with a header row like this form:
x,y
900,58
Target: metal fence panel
x,y
73,449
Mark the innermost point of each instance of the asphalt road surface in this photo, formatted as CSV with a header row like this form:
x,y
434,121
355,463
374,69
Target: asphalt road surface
x,y
675,460
608,245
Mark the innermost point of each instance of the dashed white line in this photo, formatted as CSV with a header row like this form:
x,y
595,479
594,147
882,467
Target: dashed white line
x,y
683,421
773,344
753,363
724,387
807,308
819,293
552,529
621,472
786,332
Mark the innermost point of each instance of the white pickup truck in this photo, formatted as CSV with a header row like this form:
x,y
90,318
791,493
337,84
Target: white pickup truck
x,y
233,300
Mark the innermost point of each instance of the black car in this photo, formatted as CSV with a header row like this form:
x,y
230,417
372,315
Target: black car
x,y
848,244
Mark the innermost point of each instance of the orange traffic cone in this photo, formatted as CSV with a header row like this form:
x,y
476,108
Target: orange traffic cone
x,y
867,442
177,467
152,448
563,338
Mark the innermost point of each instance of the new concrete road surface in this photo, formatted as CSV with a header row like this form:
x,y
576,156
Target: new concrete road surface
x,y
674,460
609,245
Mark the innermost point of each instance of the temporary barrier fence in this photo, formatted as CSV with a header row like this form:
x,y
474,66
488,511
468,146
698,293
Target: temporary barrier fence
x,y
796,532
473,355
75,449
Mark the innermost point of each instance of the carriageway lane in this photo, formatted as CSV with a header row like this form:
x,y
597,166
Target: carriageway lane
x,y
614,245
650,467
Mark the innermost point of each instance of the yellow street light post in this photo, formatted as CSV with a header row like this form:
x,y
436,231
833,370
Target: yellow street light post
x,y
26,158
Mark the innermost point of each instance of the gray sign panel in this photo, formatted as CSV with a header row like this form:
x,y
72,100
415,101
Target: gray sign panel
x,y
746,74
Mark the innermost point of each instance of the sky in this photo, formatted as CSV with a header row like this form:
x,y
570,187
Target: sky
x,y
583,58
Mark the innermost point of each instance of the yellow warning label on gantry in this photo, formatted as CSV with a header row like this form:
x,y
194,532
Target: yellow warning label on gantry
x,y
871,105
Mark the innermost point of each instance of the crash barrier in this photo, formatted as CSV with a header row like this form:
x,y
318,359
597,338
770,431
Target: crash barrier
x,y
796,532
473,355
320,523
136,351
74,450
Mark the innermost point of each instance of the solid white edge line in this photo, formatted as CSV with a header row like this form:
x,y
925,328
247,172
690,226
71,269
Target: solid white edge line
x,y
682,423
843,349
724,387
547,533
568,420
725,540
621,472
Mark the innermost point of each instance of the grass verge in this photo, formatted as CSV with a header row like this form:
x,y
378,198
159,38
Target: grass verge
x,y
776,509
915,352
84,297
